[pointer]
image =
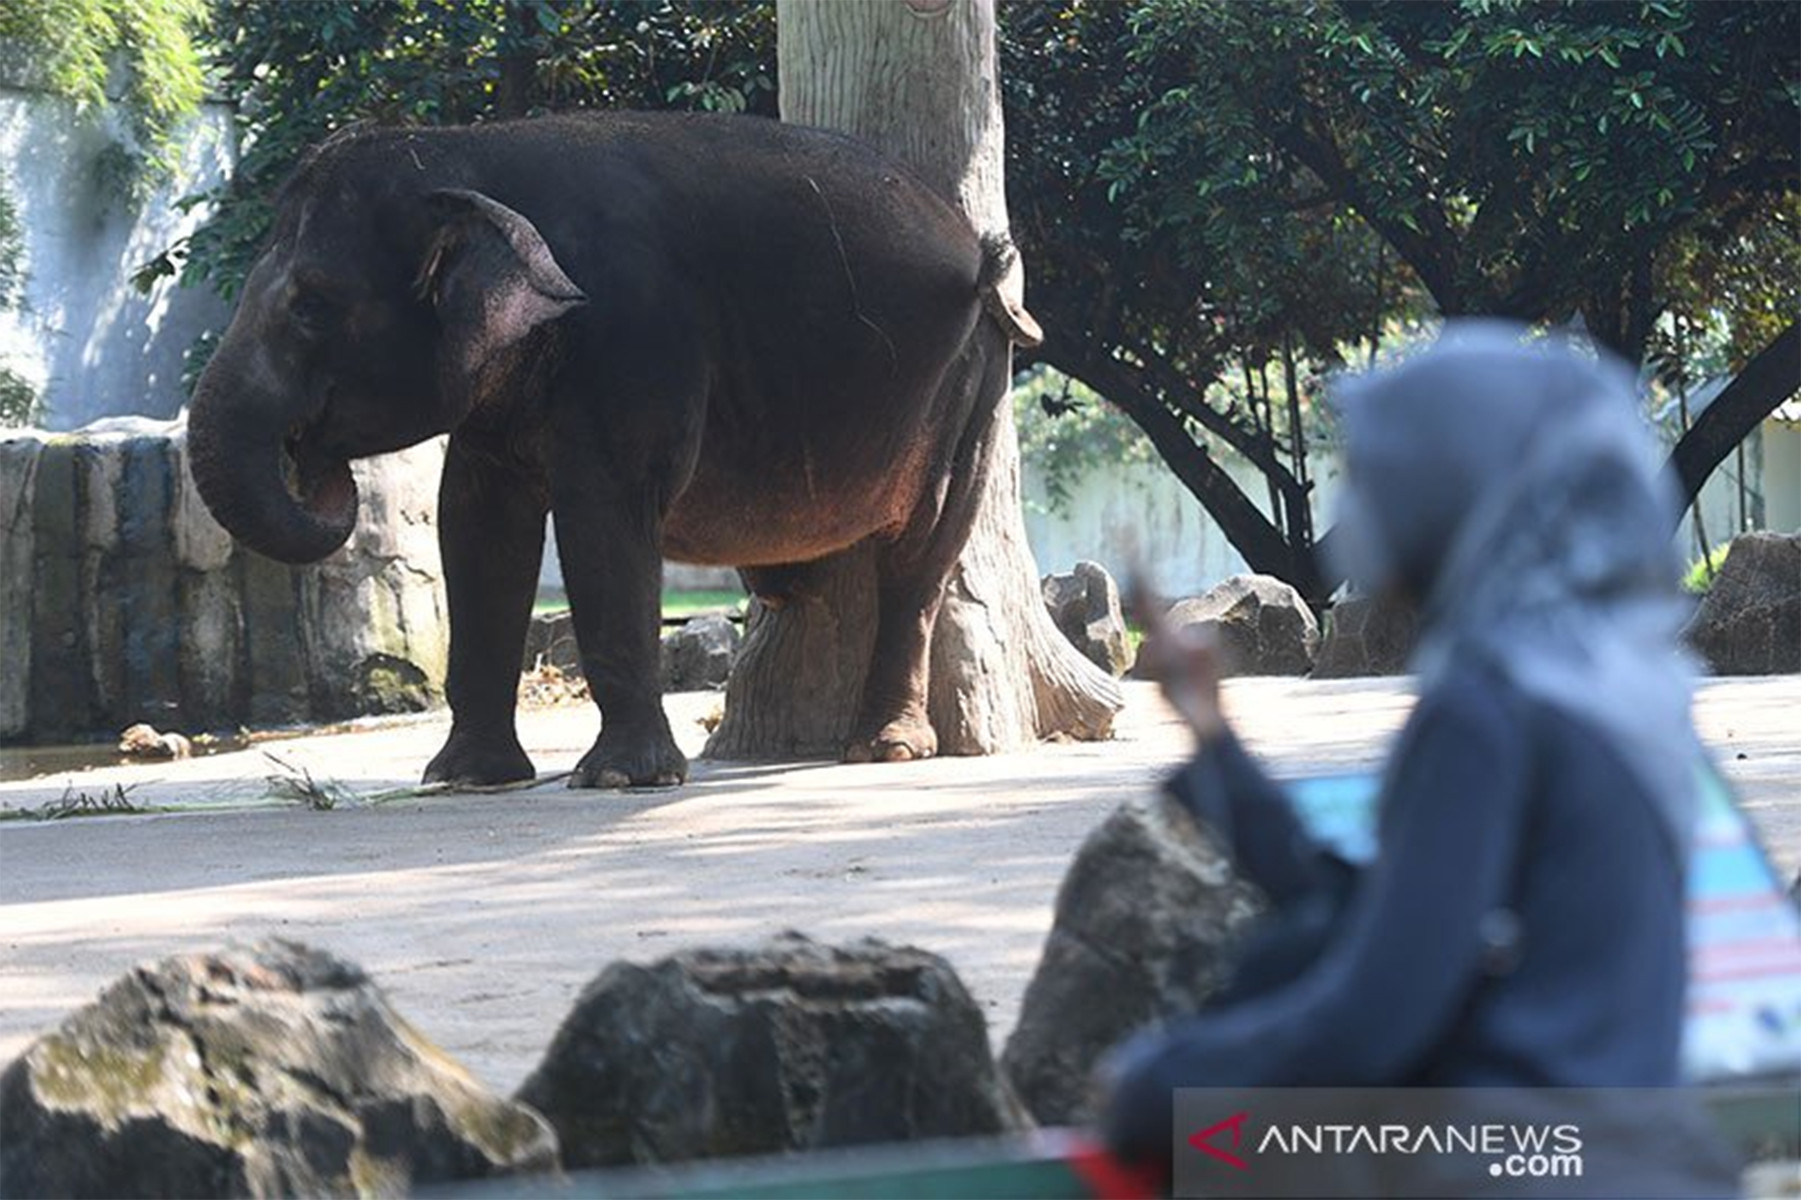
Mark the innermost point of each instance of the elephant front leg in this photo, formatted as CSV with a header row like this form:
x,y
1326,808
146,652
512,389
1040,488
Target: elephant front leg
x,y
491,535
613,567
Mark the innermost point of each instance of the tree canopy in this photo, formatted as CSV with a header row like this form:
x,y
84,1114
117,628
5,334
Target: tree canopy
x,y
1204,186
1219,202
146,52
301,71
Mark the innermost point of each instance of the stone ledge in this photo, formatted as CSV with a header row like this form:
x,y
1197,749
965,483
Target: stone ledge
x,y
122,600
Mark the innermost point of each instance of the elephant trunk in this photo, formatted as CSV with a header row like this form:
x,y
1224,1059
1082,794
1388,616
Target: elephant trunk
x,y
263,476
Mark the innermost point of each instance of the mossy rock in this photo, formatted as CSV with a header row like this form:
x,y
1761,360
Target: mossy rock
x,y
272,1071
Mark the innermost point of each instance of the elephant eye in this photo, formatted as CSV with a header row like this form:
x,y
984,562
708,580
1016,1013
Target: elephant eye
x,y
313,309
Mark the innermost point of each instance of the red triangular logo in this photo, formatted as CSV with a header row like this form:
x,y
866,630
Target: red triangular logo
x,y
1202,1140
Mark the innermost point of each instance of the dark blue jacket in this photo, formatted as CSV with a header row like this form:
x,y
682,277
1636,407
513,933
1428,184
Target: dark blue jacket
x,y
1521,925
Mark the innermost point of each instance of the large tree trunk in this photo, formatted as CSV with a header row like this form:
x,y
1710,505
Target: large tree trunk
x,y
916,78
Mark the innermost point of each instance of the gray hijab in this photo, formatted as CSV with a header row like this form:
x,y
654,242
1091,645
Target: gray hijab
x,y
1517,490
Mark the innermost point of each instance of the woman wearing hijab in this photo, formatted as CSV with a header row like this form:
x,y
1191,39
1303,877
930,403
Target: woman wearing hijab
x,y
1522,924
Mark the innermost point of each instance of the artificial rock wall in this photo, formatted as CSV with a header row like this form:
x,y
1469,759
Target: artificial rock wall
x,y
122,600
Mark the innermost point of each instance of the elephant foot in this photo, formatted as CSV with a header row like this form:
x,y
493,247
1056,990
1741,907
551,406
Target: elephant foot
x,y
631,759
472,759
900,740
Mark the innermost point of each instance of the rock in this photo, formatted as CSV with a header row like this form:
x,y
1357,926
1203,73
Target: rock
x,y
789,1046
142,741
1143,922
271,1071
18,490
1084,604
550,641
373,615
1262,624
1367,636
695,657
699,655
123,601
1749,623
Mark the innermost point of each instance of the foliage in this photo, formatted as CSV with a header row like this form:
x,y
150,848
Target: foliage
x,y
12,250
1701,573
301,71
1526,160
19,400
76,43
1207,189
144,53
1738,277
1066,431
1193,327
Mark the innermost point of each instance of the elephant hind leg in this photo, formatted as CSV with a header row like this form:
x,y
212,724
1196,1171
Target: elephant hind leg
x,y
893,723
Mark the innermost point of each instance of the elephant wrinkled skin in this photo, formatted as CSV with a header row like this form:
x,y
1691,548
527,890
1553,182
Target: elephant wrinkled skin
x,y
718,339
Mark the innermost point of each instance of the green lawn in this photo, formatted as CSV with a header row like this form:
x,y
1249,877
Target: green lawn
x,y
686,604
675,604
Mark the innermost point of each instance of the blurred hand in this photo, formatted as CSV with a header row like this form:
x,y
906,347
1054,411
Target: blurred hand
x,y
1184,661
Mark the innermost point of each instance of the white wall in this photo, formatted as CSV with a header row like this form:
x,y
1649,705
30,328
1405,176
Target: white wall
x,y
84,337
1143,509
1773,479
1782,475
677,577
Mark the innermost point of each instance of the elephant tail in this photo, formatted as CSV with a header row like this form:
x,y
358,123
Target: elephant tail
x,y
1002,284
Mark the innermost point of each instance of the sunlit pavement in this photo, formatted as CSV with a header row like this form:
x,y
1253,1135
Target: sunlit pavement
x,y
483,915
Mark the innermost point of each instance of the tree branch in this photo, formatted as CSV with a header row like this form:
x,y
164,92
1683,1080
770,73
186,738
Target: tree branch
x,y
1432,261
1252,534
1767,380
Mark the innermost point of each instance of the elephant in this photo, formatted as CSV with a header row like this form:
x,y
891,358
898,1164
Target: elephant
x,y
718,339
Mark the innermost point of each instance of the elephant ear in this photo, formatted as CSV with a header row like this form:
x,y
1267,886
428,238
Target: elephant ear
x,y
492,279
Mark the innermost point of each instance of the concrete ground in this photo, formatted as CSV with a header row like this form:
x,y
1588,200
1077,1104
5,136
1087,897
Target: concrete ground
x,y
484,914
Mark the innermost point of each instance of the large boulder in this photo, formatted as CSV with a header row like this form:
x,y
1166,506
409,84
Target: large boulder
x,y
1367,636
1262,625
272,1071
699,655
789,1046
1084,604
1145,920
1750,621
